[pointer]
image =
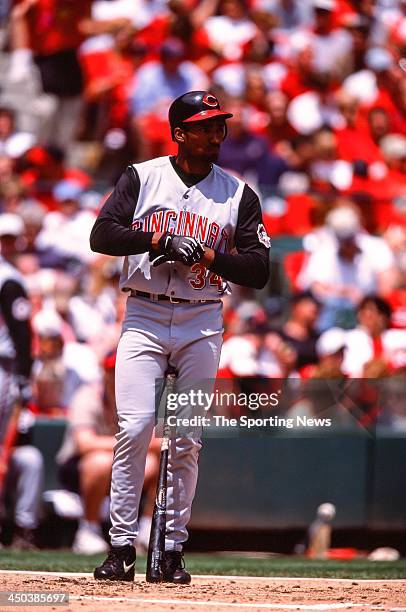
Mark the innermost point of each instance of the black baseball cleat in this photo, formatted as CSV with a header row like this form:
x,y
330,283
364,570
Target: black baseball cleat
x,y
119,565
173,568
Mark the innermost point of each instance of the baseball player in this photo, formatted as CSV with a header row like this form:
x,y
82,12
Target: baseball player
x,y
15,331
17,465
185,227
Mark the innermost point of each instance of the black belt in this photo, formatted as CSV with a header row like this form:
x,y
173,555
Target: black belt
x,y
167,298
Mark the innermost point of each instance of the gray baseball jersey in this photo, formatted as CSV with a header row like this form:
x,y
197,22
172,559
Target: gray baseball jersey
x,y
207,211
218,209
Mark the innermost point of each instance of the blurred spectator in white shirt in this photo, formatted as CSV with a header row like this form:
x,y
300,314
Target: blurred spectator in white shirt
x,y
256,352
346,265
377,82
331,45
373,349
230,29
139,12
13,142
60,367
67,230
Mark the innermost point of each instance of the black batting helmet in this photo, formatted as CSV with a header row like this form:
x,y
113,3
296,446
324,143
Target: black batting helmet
x,y
195,106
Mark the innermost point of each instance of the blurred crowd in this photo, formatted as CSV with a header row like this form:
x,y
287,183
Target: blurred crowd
x,y
319,131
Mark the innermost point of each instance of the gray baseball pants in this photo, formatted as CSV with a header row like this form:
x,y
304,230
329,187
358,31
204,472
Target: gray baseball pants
x,y
189,336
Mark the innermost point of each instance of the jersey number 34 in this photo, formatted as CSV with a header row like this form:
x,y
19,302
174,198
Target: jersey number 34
x,y
202,275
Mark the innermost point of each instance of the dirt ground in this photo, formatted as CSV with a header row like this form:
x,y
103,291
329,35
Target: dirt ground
x,y
213,594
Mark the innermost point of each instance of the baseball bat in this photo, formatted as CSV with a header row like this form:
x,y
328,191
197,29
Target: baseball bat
x,y
156,546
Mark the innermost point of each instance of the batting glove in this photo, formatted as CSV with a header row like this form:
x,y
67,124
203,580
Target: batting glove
x,y
178,248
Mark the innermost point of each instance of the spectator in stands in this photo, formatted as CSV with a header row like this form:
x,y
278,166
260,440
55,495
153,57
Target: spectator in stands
x,y
330,350
21,80
301,76
54,35
12,194
302,153
66,231
358,27
96,312
331,44
299,330
290,14
86,456
379,124
41,168
248,154
324,383
376,85
373,349
280,132
230,29
157,83
6,168
60,367
328,170
255,97
117,13
109,73
32,257
13,143
346,266
354,142
314,109
254,351
393,147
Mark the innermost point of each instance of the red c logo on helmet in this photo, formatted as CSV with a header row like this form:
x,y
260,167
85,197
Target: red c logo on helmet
x,y
210,100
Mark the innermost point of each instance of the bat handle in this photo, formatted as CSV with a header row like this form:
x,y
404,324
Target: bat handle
x,y
156,547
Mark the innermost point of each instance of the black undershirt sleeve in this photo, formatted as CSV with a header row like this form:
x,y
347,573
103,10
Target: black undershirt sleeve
x,y
112,233
250,267
19,329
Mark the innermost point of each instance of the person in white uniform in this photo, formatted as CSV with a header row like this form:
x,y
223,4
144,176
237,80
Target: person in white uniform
x,y
185,227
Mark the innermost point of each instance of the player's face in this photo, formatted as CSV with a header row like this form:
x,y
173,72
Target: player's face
x,y
202,139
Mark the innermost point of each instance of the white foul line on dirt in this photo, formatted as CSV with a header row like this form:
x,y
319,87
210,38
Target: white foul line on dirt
x,y
226,604
214,577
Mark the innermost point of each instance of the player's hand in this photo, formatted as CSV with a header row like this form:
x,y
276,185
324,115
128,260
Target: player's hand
x,y
185,249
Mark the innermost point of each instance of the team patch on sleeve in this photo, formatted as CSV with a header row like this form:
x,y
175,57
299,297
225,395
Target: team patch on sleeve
x,y
263,236
21,309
